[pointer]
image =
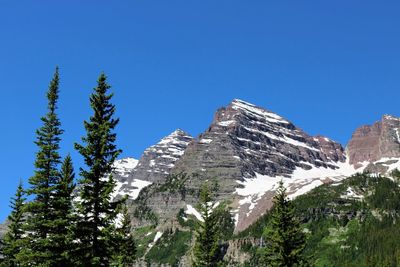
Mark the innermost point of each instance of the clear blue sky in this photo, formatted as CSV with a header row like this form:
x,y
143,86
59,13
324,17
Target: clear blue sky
x,y
328,66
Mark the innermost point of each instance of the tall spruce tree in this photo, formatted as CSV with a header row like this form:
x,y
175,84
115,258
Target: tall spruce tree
x,y
206,249
285,240
12,242
40,221
64,217
97,212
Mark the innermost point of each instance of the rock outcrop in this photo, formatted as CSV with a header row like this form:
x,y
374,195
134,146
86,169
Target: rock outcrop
x,y
375,145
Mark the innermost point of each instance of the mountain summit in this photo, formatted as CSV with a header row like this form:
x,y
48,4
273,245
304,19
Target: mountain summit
x,y
248,149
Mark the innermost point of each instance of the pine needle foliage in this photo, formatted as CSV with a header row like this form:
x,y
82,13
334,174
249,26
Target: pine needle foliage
x,y
12,242
97,212
285,241
40,219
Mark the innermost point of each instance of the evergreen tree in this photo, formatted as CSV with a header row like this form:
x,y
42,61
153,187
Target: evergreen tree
x,y
206,250
125,255
63,215
12,241
285,240
40,220
97,212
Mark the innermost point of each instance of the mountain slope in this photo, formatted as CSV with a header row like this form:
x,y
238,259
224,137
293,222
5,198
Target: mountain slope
x,y
248,149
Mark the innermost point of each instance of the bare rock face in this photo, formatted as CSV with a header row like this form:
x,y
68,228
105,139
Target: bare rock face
x,y
244,139
371,143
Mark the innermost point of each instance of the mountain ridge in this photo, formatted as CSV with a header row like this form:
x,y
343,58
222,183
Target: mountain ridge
x,y
249,149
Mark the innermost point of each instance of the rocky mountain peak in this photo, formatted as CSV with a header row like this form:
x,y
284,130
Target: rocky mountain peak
x,y
249,148
370,143
157,160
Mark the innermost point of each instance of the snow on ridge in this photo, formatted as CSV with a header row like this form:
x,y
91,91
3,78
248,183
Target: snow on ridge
x,y
173,138
284,139
267,115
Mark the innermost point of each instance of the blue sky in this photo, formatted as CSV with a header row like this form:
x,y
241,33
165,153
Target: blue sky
x,y
328,66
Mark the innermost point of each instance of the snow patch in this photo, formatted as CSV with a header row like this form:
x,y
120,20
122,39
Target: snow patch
x,y
205,141
351,194
226,123
157,237
192,211
300,182
123,167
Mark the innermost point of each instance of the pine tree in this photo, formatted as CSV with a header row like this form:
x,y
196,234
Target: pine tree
x,y
97,212
125,255
40,219
206,249
285,240
12,241
63,215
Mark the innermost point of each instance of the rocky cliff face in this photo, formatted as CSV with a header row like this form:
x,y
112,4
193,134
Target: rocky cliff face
x,y
376,145
248,150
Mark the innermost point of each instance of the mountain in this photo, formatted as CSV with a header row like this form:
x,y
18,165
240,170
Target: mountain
x,y
247,149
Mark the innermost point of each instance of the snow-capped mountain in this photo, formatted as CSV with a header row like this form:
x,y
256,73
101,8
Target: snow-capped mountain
x,y
248,149
157,161
155,164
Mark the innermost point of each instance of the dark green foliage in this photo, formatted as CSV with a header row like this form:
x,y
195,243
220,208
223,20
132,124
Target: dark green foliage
x,y
97,212
143,236
206,251
345,231
64,217
12,241
40,222
124,241
170,247
285,240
